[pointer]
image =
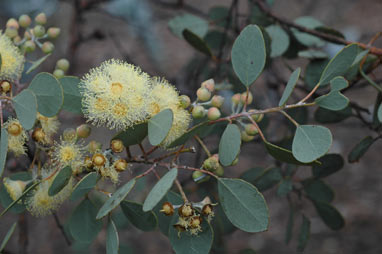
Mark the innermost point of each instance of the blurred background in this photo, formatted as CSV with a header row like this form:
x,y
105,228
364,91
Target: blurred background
x,y
137,31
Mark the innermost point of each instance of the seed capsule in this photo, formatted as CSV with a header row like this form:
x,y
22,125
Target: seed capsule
x,y
120,165
117,145
167,209
38,135
98,160
186,210
5,86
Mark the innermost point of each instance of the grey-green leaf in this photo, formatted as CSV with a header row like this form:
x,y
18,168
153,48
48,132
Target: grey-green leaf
x,y
360,149
60,180
160,189
48,92
290,86
338,83
248,54
197,42
25,105
330,163
318,190
308,39
193,23
185,243
229,146
112,239
339,64
312,54
282,154
333,101
83,225
133,135
332,218
243,204
145,221
280,40
159,126
311,142
37,63
304,235
84,186
3,149
285,187
115,199
72,96
379,113
8,236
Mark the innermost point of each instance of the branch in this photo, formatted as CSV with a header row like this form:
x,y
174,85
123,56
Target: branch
x,y
326,37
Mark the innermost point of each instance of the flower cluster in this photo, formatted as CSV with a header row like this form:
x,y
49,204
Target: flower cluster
x,y
12,61
119,95
16,137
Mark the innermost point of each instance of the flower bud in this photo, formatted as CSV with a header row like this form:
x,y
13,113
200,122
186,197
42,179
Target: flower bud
x,y
39,31
207,210
186,210
185,101
40,19
63,64
167,209
47,47
17,39
120,165
200,177
209,84
38,135
236,99
11,32
211,163
15,129
12,23
217,101
219,171
235,161
251,129
25,21
244,96
98,160
5,86
53,32
28,35
203,94
83,131
245,137
94,146
58,73
198,112
117,146
88,162
213,113
256,117
29,46
69,134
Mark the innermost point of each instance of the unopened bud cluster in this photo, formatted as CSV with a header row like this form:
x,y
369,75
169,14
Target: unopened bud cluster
x,y
207,104
191,215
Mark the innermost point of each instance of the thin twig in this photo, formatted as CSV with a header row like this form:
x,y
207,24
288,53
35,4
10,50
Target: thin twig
x,y
203,145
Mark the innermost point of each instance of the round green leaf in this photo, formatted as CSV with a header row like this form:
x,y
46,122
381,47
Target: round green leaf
x,y
83,225
282,154
332,218
60,180
318,190
330,163
339,64
25,105
160,189
145,221
311,142
112,239
115,199
338,83
83,187
248,54
3,149
333,101
280,40
304,38
159,126
72,95
243,204
133,135
193,23
185,243
290,86
48,92
229,146
313,72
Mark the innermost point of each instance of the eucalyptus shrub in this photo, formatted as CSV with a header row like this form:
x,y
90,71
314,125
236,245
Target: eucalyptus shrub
x,y
68,167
